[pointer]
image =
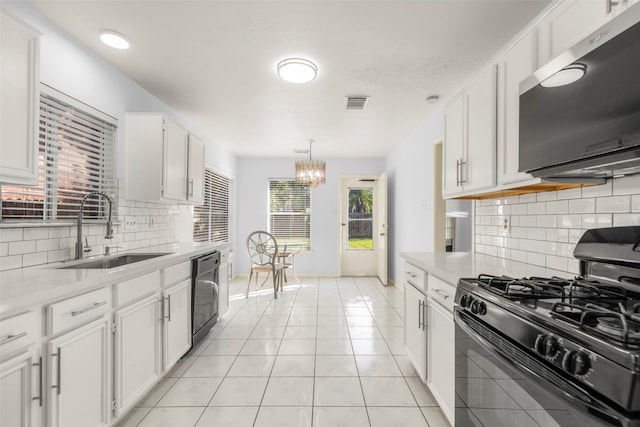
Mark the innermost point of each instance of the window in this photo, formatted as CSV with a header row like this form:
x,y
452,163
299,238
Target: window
x,y
211,220
77,156
290,211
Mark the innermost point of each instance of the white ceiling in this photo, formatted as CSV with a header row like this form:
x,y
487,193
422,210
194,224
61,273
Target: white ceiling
x,y
213,62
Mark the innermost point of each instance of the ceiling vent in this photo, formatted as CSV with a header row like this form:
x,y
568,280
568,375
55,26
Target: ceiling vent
x,y
357,102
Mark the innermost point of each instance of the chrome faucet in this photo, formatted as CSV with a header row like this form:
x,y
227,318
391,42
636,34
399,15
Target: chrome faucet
x,y
80,250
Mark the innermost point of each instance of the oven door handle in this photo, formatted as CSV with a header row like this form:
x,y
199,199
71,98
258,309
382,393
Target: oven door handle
x,y
568,390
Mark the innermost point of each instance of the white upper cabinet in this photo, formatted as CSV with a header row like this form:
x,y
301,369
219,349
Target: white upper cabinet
x,y
19,56
470,138
164,163
516,65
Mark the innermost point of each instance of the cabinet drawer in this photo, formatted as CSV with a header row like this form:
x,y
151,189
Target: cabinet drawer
x,y
18,332
442,292
73,312
177,273
137,287
415,276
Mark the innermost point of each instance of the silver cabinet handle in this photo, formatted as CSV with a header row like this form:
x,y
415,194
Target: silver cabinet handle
x,y
413,275
168,317
462,180
457,172
190,188
88,308
10,338
39,396
442,294
420,313
59,374
610,4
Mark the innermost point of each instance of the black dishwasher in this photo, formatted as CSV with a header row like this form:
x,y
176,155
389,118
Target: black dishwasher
x,y
204,294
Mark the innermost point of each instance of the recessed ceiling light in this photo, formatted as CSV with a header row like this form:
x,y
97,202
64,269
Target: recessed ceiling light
x,y
569,74
114,39
297,70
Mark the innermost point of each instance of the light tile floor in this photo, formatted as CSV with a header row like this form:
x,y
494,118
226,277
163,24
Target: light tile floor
x,y
327,353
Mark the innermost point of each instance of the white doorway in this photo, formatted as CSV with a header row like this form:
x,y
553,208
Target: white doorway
x,y
363,226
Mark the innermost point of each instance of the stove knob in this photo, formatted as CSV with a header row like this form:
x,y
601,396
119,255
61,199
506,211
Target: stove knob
x,y
577,362
547,346
478,307
465,300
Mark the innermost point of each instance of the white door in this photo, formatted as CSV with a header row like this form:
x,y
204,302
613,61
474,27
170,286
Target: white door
x,y
177,323
137,351
175,162
441,356
195,170
79,392
363,225
415,334
19,398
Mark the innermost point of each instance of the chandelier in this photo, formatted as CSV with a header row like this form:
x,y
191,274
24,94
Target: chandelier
x,y
310,172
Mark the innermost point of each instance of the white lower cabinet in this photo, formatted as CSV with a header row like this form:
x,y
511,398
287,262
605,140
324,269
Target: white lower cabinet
x,y
415,334
177,323
21,390
137,351
80,376
441,343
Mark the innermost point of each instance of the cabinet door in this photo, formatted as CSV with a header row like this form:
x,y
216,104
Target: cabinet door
x,y
479,169
441,357
569,23
177,323
20,388
80,374
195,187
19,54
415,335
453,143
175,162
137,351
516,65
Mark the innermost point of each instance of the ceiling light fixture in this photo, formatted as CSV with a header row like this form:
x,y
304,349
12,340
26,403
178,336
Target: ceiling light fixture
x,y
433,99
114,39
297,70
311,172
569,74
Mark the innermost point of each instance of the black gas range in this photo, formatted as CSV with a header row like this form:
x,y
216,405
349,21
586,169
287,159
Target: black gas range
x,y
578,339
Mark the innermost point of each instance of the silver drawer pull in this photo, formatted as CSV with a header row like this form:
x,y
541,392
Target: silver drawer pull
x,y
39,396
10,338
442,294
89,308
412,275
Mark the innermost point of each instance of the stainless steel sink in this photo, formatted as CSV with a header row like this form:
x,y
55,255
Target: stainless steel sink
x,y
112,261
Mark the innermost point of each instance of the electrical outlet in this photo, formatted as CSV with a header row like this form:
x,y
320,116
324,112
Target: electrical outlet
x,y
506,225
130,223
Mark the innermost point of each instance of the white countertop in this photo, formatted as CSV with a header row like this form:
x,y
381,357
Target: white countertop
x,y
23,288
451,266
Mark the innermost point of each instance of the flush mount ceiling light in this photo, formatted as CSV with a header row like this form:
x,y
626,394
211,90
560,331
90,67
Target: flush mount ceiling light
x,y
569,74
310,172
114,39
297,70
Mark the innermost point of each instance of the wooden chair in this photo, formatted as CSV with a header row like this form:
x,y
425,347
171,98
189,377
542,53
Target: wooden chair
x,y
262,248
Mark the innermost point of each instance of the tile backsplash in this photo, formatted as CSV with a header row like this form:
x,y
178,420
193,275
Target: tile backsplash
x,y
542,228
142,225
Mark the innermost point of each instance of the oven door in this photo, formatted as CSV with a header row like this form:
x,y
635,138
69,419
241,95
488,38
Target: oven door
x,y
500,384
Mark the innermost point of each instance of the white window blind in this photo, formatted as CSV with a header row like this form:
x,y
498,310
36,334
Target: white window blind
x,y
211,221
77,156
290,211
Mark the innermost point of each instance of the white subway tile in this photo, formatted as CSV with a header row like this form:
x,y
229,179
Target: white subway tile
x,y
570,193
535,270
626,185
491,250
536,208
511,200
504,210
598,190
556,262
570,221
57,232
480,248
511,243
47,245
485,240
503,253
520,209
24,247
528,221
4,249
558,207
528,198
573,266
582,205
635,203
29,260
57,256
519,232
485,220
620,220
548,248
545,196
536,233
575,235
597,220
35,233
11,262
566,249
546,221
10,234
497,241
558,234
517,255
528,245
535,259
515,221
613,204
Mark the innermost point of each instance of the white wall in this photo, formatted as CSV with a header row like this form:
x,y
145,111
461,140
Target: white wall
x,y
74,70
251,208
410,178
